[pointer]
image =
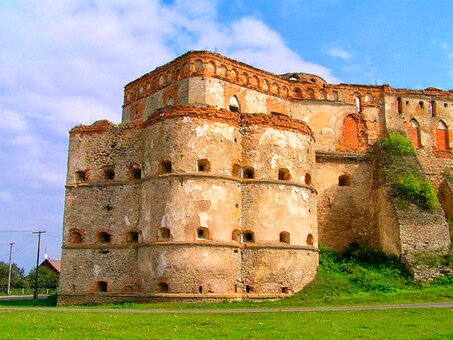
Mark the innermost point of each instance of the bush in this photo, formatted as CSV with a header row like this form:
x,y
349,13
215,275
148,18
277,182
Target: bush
x,y
403,173
398,145
417,191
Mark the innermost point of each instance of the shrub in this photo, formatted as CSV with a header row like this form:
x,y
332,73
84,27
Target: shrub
x,y
403,172
417,191
398,145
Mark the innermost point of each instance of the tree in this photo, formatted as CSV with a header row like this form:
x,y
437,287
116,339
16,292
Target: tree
x,y
46,278
17,277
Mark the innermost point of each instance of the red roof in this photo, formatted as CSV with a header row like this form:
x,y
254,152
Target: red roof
x,y
52,264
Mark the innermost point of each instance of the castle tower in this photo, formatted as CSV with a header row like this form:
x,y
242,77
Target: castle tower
x,y
222,179
189,198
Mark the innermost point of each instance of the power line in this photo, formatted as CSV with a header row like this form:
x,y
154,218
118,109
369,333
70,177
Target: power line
x,y
17,231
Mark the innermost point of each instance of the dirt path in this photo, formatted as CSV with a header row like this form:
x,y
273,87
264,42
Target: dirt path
x,y
225,311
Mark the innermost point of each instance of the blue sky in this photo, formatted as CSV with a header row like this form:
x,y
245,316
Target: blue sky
x,y
64,63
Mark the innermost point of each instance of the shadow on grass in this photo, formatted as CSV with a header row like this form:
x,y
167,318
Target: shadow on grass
x,y
51,301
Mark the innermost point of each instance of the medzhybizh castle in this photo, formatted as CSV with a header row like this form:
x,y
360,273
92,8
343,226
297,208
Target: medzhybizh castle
x,y
222,179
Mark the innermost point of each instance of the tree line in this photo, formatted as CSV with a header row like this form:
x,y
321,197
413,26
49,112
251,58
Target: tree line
x,y
46,277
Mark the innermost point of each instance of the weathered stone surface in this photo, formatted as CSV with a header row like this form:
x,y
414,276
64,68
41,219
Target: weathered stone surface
x,y
222,179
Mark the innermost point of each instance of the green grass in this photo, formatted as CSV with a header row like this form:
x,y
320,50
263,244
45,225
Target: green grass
x,y
392,324
404,174
356,276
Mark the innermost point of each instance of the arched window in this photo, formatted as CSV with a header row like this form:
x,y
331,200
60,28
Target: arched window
x,y
164,234
132,237
136,173
307,179
421,104
80,176
335,96
310,93
249,236
233,105
284,174
165,167
75,236
285,237
236,236
442,142
358,102
433,108
202,233
104,237
162,287
413,133
350,136
344,180
203,165
198,64
170,101
323,94
101,286
297,92
400,105
310,240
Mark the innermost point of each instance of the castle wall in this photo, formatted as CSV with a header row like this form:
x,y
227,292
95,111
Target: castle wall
x,y
210,185
183,225
345,209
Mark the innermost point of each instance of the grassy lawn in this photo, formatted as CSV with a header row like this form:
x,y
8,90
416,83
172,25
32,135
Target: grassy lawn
x,y
353,277
391,324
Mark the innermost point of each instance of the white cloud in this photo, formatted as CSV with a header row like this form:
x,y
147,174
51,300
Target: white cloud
x,y
65,62
337,52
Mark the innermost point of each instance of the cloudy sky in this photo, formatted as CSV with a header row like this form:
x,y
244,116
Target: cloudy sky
x,y
64,63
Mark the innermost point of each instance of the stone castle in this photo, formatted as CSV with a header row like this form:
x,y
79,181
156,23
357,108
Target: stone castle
x,y
222,178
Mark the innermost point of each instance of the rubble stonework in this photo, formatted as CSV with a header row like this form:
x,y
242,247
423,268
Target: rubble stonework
x,y
222,179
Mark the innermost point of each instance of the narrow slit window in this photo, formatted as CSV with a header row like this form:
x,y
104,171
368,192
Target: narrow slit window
x,y
400,105
433,108
75,236
284,174
164,234
80,176
132,237
344,181
249,236
109,174
285,237
248,172
165,167
310,240
162,287
234,105
202,233
104,237
101,286
203,165
137,173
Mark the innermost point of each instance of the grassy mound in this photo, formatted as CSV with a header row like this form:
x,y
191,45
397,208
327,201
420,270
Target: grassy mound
x,y
404,175
360,275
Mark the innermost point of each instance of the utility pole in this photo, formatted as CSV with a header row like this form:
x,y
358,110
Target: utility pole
x,y
39,232
10,263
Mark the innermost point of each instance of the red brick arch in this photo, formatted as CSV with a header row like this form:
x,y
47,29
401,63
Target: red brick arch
x,y
413,133
354,136
442,142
